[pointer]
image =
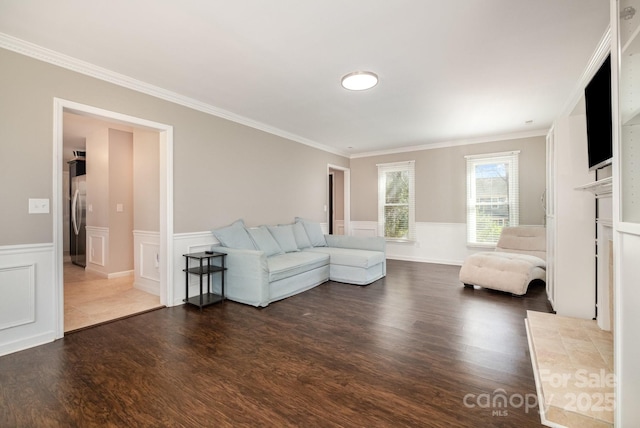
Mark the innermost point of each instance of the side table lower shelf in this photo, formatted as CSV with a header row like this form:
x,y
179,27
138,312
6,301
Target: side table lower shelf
x,y
206,297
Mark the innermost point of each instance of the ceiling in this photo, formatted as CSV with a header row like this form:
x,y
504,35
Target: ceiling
x,y
449,71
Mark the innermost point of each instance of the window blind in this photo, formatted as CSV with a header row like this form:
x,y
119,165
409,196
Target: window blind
x,y
492,196
396,200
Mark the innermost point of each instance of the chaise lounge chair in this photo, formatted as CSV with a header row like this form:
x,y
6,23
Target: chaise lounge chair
x,y
519,258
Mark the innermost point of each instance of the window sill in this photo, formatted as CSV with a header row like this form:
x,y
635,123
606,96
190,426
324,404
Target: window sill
x,y
400,241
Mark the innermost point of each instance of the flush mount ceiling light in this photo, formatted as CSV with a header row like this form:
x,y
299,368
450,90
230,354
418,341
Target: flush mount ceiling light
x,y
359,80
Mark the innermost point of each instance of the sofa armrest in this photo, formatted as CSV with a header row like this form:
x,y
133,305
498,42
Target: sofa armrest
x,y
371,243
247,276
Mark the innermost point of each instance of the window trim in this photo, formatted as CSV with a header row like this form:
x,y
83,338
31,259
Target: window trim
x,y
512,159
397,166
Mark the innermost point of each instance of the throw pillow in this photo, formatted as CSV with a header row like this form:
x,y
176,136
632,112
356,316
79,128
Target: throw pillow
x,y
234,236
283,234
264,241
300,235
314,231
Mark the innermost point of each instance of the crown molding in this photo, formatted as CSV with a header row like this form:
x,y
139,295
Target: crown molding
x,y
454,143
70,63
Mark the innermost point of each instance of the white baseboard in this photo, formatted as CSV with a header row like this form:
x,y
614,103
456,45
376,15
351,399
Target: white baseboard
x,y
27,342
120,274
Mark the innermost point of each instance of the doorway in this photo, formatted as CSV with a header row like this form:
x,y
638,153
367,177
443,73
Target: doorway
x,y
165,165
338,203
108,164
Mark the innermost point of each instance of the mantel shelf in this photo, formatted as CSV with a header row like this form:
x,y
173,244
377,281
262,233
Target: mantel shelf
x,y
600,188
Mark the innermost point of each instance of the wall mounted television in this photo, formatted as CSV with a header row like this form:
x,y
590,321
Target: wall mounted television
x,y
597,96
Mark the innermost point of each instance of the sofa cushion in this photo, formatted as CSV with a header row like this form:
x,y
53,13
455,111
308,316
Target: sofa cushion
x,y
314,232
351,257
286,265
234,236
302,239
284,236
264,241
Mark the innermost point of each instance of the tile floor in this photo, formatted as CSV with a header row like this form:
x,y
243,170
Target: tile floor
x,y
90,299
573,364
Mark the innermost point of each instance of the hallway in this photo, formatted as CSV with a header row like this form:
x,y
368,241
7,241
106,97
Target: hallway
x,y
90,299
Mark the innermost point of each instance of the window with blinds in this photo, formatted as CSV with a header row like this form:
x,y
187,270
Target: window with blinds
x,y
396,200
492,196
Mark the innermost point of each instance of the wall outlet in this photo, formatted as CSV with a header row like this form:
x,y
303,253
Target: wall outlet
x,y
38,206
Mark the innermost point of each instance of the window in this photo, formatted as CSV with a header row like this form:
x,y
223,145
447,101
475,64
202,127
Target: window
x,y
396,200
492,196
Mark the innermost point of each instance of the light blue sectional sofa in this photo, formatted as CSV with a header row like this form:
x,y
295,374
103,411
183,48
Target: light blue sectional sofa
x,y
270,263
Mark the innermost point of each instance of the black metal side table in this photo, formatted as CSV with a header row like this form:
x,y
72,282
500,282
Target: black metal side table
x,y
203,269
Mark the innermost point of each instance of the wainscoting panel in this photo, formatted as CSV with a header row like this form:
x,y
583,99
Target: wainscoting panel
x,y
28,299
443,243
97,249
364,228
17,285
146,260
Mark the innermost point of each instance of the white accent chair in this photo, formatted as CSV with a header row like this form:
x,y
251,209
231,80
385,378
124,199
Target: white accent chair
x,y
519,258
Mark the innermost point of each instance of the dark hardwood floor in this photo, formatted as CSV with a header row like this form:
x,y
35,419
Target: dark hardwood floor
x,y
413,349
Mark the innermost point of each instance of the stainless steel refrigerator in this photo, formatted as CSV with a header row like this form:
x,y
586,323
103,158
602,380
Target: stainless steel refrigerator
x,y
78,193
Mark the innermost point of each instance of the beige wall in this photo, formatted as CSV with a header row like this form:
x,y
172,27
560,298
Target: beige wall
x,y
222,170
98,178
441,181
146,180
110,183
120,193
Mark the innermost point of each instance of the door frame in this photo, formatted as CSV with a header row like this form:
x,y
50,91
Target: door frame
x,y
332,214
347,195
60,106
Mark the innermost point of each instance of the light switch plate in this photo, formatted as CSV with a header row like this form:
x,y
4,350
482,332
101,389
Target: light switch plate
x,y
38,206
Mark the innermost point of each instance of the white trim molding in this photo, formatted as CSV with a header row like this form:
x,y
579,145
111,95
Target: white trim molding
x,y
454,143
70,63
